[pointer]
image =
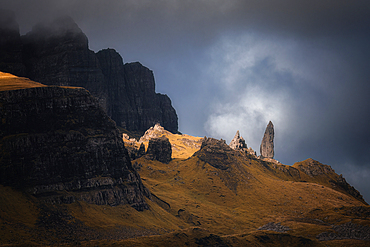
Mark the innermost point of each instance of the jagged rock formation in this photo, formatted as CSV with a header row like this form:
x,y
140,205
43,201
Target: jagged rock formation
x,y
59,144
267,144
153,132
57,54
238,142
159,149
214,151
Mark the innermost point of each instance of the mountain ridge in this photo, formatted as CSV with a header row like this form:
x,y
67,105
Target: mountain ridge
x,y
207,194
57,53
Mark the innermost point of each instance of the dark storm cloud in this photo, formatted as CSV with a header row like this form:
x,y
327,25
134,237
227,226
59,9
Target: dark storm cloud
x,y
235,64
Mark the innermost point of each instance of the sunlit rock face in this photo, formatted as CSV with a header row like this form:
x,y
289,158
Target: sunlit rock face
x,y
238,142
57,53
59,145
267,144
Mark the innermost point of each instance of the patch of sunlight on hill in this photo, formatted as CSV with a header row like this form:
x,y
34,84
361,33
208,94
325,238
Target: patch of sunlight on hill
x,y
12,82
244,197
183,146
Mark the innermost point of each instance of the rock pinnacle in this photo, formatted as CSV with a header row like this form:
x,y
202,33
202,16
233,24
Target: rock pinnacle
x,y
238,142
267,144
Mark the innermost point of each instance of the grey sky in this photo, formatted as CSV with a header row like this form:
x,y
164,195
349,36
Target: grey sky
x,y
232,65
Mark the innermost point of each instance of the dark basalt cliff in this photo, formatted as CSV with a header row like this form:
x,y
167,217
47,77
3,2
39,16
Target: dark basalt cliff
x,y
132,101
10,44
58,144
57,54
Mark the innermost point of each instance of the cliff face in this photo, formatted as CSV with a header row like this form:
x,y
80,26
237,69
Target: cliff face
x,y
10,44
132,100
61,146
57,54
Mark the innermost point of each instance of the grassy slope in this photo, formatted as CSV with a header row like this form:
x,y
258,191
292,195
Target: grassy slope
x,y
251,194
201,205
12,82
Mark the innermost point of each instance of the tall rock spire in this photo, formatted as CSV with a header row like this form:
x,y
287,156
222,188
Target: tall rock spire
x,y
267,144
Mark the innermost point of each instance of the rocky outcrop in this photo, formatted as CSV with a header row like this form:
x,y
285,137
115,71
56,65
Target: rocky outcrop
x,y
348,230
276,227
238,142
267,144
159,149
341,184
57,53
227,161
153,132
320,172
59,145
216,153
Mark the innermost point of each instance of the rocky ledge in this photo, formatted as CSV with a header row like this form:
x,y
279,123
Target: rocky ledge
x,y
59,145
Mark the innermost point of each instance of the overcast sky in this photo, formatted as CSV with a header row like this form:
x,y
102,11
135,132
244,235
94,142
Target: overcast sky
x,y
231,65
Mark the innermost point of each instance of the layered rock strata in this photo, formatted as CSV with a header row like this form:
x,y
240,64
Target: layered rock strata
x,y
57,53
59,145
267,144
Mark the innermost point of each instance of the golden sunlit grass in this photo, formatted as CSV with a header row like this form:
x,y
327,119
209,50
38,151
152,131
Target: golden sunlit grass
x,y
183,146
12,82
204,196
193,201
198,189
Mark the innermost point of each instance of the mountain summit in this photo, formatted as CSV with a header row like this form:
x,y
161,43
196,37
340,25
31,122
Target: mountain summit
x,y
57,53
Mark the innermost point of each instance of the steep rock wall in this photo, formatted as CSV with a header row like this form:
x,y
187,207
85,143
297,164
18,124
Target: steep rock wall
x,y
57,53
59,144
